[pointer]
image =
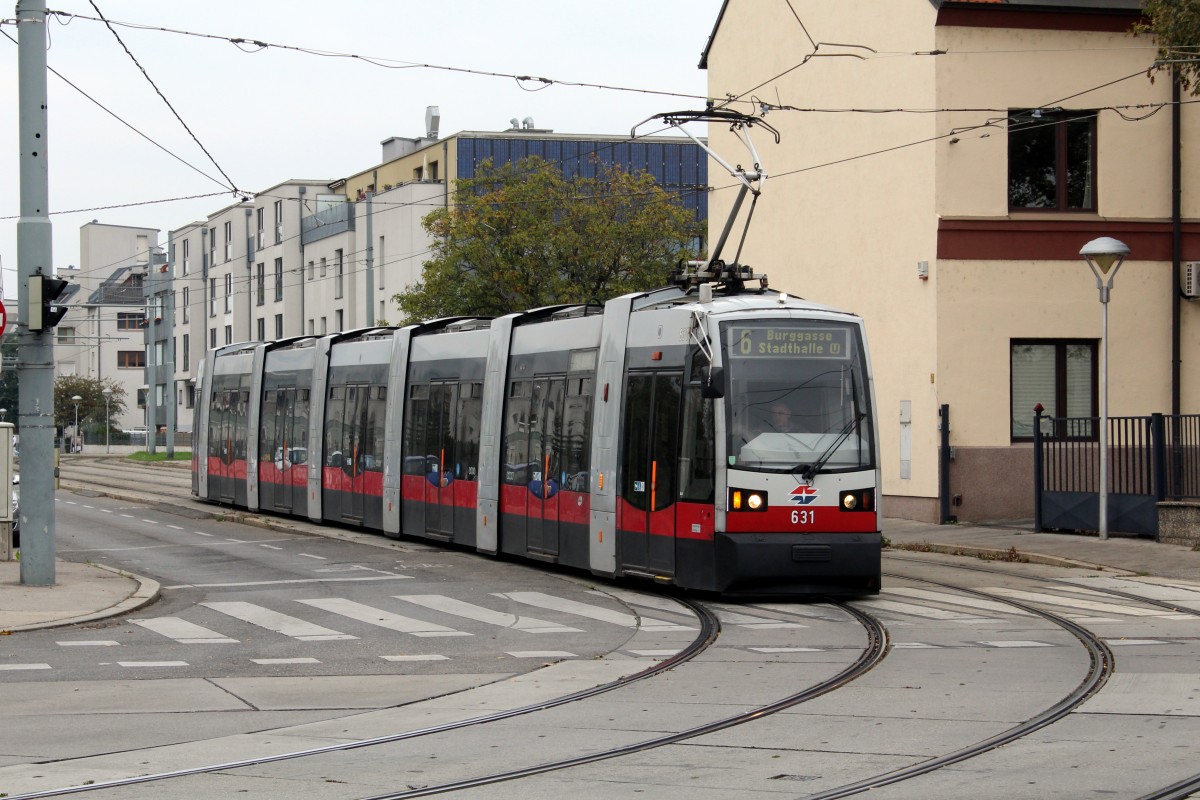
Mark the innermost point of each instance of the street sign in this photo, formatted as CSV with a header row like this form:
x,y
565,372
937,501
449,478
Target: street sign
x,y
3,318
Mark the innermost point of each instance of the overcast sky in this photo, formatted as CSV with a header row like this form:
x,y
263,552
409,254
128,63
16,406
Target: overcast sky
x,y
270,115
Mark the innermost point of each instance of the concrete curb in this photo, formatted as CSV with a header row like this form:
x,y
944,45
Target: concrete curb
x,y
1002,556
146,593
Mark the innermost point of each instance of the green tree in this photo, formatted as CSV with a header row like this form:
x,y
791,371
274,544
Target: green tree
x,y
91,404
522,236
1176,26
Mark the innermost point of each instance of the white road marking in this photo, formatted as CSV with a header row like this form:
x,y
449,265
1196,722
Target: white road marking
x,y
16,667
269,661
152,663
274,621
1128,642
151,522
416,658
198,533
958,600
922,611
914,646
1017,643
786,649
175,527
653,653
183,631
289,581
750,621
107,510
384,619
574,607
1088,605
270,547
92,643
310,555
458,608
129,516
541,654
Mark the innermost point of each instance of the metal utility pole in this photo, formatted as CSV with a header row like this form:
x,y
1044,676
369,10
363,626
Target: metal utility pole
x,y
370,263
169,356
36,348
150,288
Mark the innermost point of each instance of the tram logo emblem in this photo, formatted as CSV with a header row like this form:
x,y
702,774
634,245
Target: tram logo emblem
x,y
805,495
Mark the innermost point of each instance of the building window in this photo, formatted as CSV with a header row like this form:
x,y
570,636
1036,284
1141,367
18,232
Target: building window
x,y
278,222
338,321
324,267
260,284
185,304
131,359
187,352
129,321
212,339
259,218
186,250
228,334
141,398
278,326
1052,161
261,325
324,327
1062,375
310,328
65,335
229,293
338,275
212,297
310,270
189,395
212,246
380,262
228,240
278,279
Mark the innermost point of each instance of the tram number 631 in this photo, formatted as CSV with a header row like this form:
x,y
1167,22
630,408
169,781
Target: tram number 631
x,y
805,517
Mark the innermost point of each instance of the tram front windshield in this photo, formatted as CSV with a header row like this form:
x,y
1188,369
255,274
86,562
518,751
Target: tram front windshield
x,y
797,396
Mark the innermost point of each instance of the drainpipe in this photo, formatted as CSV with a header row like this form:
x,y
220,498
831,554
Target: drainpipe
x,y
300,230
445,174
371,255
1176,238
251,288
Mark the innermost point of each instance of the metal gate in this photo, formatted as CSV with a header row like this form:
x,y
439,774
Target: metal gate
x,y
1150,459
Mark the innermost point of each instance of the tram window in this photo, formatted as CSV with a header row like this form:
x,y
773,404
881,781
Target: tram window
x,y
577,420
371,440
266,430
516,433
439,435
697,457
470,414
334,411
414,429
666,442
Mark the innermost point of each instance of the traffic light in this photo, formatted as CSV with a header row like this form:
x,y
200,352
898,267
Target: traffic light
x,y
43,292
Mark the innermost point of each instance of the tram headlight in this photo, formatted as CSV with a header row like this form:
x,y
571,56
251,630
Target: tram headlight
x,y
857,500
747,500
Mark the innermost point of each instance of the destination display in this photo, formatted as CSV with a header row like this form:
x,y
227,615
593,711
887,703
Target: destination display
x,y
792,342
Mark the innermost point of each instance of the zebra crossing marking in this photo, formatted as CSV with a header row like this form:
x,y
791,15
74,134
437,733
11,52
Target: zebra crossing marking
x,y
925,612
1015,643
19,667
459,608
383,619
1094,606
958,600
275,621
589,611
152,663
90,643
266,662
541,654
416,658
183,631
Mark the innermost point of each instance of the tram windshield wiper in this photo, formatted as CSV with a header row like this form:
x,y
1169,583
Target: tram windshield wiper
x,y
811,470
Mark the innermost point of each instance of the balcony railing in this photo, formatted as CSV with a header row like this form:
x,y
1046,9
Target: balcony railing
x,y
327,222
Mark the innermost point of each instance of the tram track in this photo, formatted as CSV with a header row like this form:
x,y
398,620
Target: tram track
x,y
709,630
1100,669
870,655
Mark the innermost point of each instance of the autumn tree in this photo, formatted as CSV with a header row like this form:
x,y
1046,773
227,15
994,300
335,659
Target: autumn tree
x,y
91,403
524,235
1176,26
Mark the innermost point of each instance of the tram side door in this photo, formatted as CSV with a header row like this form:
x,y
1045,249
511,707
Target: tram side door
x,y
650,455
545,456
354,423
441,460
220,444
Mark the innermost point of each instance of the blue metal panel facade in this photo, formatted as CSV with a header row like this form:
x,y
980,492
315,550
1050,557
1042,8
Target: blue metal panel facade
x,y
680,168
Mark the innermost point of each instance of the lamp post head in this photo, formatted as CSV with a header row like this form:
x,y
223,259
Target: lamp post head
x,y
1104,256
76,398
107,392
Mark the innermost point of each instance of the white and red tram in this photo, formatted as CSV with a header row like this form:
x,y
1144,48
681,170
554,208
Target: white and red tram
x,y
704,435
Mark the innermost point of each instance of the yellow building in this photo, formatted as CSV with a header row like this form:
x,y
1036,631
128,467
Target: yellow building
x,y
941,167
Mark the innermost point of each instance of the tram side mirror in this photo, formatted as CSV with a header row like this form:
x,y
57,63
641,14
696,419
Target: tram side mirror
x,y
713,389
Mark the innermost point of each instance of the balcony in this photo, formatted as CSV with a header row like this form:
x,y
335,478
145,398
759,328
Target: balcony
x,y
327,222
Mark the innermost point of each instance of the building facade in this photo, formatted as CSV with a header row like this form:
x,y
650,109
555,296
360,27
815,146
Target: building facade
x,y
939,177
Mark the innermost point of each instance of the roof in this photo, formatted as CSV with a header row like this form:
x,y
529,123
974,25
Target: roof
x,y
114,291
1104,7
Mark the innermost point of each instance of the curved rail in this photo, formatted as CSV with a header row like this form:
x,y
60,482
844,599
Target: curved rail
x,y
709,630
877,647
1099,671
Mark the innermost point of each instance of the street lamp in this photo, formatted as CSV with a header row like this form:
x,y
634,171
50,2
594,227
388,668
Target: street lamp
x,y
1105,256
3,415
77,398
107,420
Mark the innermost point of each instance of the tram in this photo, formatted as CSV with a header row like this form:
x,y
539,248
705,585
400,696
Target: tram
x,y
714,435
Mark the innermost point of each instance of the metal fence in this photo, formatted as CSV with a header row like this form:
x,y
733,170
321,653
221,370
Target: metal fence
x,y
1150,459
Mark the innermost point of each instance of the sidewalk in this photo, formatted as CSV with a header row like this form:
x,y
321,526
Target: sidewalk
x,y
86,592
